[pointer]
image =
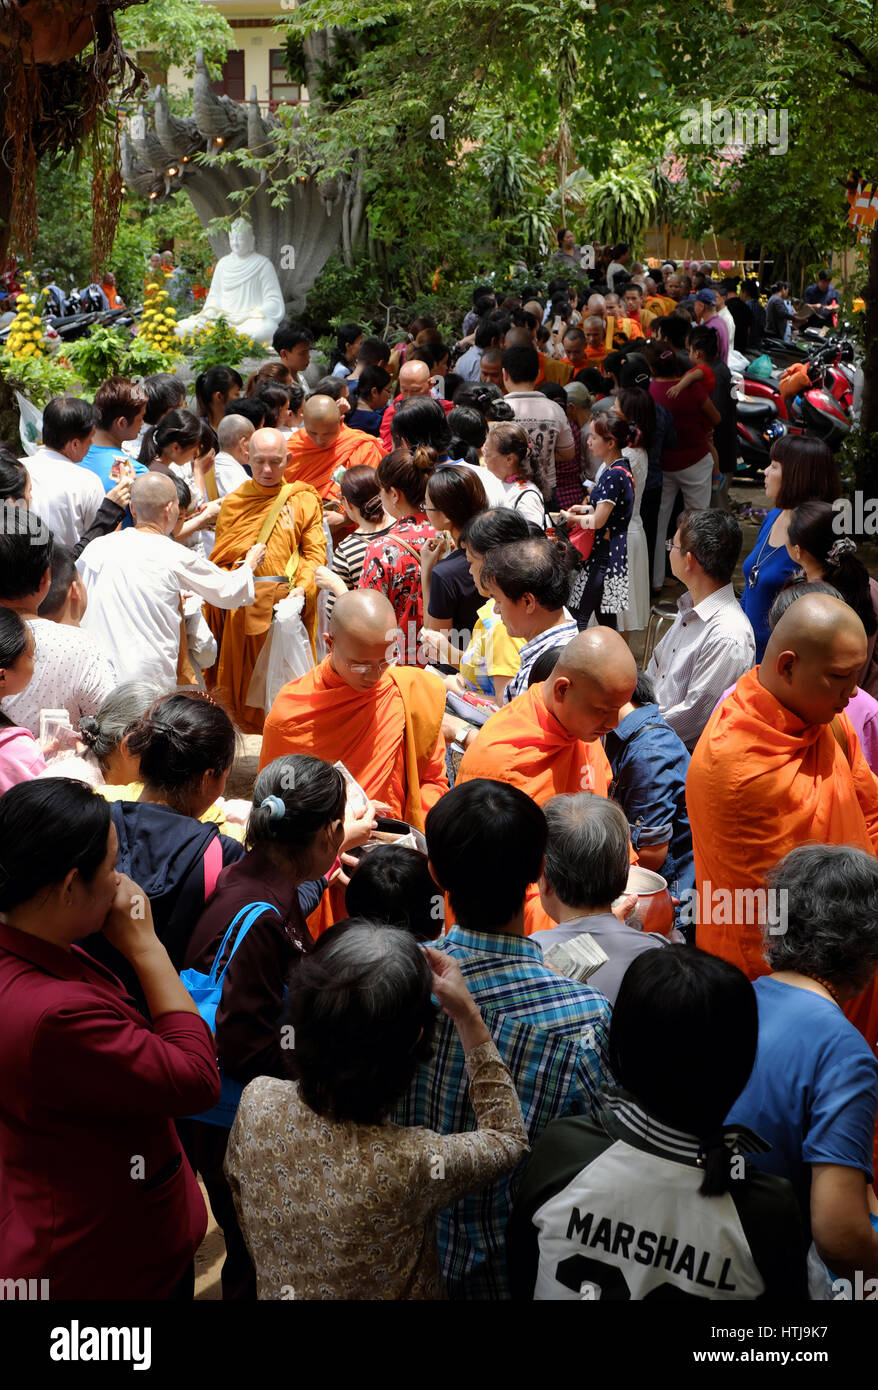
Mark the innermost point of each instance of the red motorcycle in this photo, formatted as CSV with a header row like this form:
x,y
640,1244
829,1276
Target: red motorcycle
x,y
819,408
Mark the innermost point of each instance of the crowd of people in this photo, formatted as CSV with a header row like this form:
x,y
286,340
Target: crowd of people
x,y
399,1007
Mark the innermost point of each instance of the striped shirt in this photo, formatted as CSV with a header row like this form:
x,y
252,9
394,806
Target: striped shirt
x,y
552,1034
557,636
347,560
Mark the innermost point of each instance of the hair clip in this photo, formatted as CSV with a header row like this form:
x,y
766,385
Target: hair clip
x,y
275,806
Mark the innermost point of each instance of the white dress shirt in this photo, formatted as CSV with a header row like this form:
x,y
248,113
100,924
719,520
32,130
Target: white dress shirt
x,y
709,647
71,672
66,496
229,475
134,580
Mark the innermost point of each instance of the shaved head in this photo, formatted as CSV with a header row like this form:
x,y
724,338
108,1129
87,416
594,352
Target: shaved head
x,y
150,494
268,457
362,638
414,379
519,337
594,676
231,430
321,419
814,658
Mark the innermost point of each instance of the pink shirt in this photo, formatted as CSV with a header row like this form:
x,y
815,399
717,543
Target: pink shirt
x,y
21,758
862,711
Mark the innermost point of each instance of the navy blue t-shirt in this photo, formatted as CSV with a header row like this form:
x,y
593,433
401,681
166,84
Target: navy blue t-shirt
x,y
453,595
813,1092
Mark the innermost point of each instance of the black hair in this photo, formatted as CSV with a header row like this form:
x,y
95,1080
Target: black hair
x,y
360,1010
638,406
553,391
374,352
179,739
331,386
488,331
164,392
215,379
485,303
24,557
480,395
359,488
644,690
253,408
468,426
177,427
48,827
812,526
392,884
184,492
695,1002
536,566
492,527
521,363
408,472
275,398
809,471
372,378
313,793
635,372
542,668
704,339
289,335
594,381
458,493
66,418
13,476
714,537
346,335
674,329
13,637
486,842
63,574
482,292
420,420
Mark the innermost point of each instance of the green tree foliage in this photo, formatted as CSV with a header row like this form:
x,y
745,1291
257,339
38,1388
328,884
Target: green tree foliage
x,y
174,29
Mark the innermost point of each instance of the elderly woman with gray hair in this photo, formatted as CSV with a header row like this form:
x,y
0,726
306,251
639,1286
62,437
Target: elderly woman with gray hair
x,y
586,869
334,1201
813,1092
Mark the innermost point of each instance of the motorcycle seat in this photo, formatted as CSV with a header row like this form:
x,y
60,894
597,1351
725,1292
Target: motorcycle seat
x,y
755,412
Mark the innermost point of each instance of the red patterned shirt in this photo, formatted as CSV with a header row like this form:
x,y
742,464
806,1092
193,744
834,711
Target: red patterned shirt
x,y
392,569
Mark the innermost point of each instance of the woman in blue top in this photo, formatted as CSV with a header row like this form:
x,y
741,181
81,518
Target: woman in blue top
x,y
813,1091
801,469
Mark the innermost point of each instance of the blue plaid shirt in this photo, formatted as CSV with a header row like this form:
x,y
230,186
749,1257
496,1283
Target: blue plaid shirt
x,y
552,1034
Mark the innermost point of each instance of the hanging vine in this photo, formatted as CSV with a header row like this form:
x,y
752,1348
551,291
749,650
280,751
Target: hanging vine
x,y
59,66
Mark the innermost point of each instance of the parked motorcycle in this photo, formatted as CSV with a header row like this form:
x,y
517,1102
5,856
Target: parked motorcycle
x,y
820,409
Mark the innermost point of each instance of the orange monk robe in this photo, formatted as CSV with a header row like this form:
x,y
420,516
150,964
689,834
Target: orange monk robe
x,y
389,739
295,547
760,783
660,304
306,463
525,745
553,369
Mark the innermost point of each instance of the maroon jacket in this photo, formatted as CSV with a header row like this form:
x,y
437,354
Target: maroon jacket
x,y
248,1039
95,1193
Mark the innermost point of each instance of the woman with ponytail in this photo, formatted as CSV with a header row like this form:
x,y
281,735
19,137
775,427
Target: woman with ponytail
x,y
508,457
392,563
176,439
687,1217
815,544
361,504
213,391
296,830
348,341
601,585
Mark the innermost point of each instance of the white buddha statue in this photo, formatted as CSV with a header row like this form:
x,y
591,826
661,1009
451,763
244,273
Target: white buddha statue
x,y
244,290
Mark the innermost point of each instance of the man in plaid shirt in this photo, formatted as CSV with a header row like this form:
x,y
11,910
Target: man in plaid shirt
x,y
486,843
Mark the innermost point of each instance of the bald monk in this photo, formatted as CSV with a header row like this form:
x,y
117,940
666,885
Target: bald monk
x,y
383,722
324,444
779,765
287,518
414,380
547,740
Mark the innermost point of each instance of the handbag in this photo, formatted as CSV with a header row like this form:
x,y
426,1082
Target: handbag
x,y
207,991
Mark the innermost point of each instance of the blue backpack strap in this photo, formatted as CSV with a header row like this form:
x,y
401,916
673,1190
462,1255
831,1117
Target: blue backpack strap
x,y
245,919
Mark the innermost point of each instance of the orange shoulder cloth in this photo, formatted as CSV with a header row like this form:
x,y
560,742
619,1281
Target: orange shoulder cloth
x,y
424,701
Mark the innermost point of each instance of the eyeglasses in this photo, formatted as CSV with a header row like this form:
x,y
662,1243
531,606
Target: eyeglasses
x,y
362,668
670,545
